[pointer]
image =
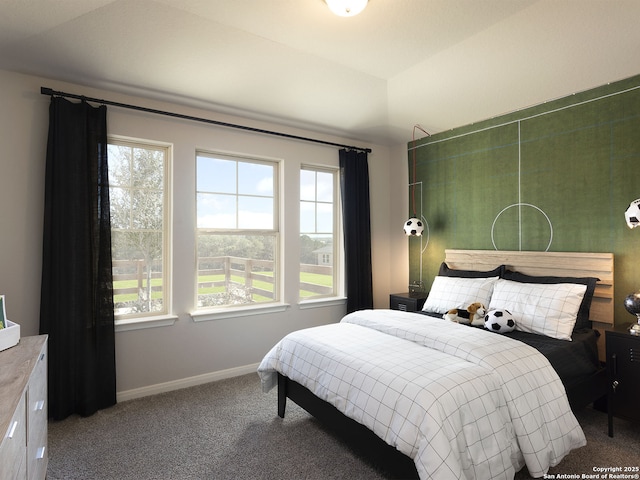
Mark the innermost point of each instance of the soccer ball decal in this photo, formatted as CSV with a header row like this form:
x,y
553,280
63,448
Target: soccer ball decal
x,y
414,227
500,321
632,215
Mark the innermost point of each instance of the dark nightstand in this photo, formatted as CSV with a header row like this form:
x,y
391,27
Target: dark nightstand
x,y
407,302
623,366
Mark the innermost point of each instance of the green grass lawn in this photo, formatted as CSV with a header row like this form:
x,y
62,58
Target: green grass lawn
x,y
132,297
315,278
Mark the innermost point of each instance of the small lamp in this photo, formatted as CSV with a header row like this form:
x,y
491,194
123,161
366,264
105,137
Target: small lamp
x,y
632,301
632,304
632,214
413,227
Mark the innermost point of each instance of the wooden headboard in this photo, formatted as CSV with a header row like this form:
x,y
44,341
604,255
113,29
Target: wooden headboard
x,y
562,264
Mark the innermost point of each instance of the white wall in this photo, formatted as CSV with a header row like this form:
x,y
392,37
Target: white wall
x,y
187,352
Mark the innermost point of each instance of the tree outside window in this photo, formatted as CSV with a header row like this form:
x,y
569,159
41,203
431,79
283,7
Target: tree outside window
x,y
138,196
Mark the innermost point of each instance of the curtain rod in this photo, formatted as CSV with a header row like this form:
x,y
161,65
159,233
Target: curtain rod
x,y
50,92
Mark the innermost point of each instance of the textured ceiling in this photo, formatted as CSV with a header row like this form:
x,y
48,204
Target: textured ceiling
x,y
437,63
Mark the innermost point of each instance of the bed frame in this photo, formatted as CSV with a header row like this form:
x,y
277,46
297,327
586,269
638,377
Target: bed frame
x,y
592,390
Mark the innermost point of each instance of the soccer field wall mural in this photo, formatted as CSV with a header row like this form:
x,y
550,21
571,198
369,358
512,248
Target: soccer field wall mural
x,y
554,177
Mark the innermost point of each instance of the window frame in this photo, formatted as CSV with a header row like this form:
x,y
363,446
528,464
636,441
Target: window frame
x,y
166,316
337,251
236,310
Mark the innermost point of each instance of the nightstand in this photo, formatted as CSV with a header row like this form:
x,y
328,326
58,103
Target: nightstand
x,y
407,302
623,366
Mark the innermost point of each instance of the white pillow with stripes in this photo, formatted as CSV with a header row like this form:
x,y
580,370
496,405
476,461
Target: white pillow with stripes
x,y
545,309
458,292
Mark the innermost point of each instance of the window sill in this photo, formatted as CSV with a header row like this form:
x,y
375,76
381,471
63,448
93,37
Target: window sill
x,y
145,322
321,302
222,313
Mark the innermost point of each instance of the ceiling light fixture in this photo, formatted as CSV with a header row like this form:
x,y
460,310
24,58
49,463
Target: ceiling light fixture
x,y
346,8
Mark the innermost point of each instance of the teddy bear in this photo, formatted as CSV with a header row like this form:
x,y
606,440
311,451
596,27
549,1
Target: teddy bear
x,y
474,314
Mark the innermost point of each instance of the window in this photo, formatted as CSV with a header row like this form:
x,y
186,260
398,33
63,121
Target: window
x,y
138,181
237,231
318,244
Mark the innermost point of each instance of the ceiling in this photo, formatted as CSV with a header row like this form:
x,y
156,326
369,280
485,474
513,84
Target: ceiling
x,y
372,77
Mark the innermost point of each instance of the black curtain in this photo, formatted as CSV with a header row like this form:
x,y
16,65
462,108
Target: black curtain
x,y
354,187
76,304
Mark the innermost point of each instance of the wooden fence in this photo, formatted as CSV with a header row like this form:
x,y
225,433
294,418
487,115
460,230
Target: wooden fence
x,y
227,267
137,269
230,267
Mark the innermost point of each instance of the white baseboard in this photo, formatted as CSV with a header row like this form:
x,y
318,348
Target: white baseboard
x,y
185,382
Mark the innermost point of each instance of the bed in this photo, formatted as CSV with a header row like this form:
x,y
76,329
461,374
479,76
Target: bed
x,y
430,398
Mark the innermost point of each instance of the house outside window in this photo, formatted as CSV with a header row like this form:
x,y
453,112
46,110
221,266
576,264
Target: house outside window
x,y
318,227
237,231
139,189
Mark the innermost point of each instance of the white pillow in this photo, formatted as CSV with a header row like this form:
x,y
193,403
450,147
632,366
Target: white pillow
x,y
458,292
545,309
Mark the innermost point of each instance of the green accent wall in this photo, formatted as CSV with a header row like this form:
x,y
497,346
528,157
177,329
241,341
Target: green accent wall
x,y
557,177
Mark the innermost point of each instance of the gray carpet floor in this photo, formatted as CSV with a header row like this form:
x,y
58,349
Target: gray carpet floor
x,y
229,430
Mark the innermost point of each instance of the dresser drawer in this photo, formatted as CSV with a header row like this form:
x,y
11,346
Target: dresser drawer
x,y
37,456
37,420
13,446
38,383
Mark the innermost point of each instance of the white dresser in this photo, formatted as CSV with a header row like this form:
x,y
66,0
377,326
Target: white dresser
x,y
23,410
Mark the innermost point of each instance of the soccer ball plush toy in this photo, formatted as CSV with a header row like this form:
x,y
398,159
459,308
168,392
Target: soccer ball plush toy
x,y
500,321
414,226
632,215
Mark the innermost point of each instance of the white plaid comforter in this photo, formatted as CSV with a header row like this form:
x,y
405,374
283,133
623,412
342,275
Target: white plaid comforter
x,y
473,404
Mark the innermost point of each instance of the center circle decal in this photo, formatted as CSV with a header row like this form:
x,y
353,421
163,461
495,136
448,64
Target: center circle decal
x,y
493,226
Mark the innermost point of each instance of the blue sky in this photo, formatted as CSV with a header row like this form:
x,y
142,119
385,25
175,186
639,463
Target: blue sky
x,y
234,194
